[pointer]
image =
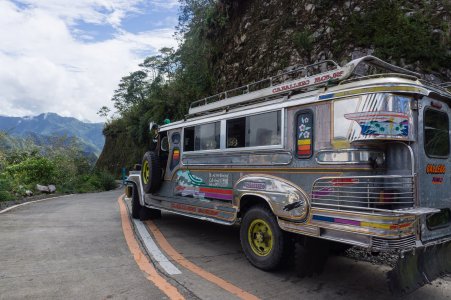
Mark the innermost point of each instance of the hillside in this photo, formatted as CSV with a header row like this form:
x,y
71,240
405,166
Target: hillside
x,y
229,43
43,128
262,37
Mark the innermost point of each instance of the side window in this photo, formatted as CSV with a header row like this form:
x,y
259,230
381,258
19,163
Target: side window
x,y
202,137
304,134
436,133
188,141
236,133
253,131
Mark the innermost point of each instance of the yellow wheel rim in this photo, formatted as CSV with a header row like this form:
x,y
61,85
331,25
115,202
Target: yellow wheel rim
x,y
146,172
260,237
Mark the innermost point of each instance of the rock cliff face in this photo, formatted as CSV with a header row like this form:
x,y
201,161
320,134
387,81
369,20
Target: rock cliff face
x,y
262,37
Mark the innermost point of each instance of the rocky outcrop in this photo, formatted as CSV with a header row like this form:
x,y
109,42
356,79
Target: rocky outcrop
x,y
265,36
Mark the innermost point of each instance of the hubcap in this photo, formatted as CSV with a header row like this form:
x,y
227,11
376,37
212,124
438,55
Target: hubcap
x,y
260,237
146,172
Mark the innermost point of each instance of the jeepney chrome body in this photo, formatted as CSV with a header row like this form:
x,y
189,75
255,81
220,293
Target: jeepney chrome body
x,y
360,176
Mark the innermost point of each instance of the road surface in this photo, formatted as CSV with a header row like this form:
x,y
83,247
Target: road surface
x,y
78,247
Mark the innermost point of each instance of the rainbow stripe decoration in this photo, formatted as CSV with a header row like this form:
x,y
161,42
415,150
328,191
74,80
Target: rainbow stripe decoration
x,y
304,147
205,192
360,223
176,154
175,158
217,193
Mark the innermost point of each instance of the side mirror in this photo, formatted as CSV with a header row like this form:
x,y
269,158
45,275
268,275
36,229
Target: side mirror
x,y
153,126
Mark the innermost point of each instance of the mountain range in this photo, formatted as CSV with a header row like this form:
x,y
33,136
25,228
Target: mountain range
x,y
43,127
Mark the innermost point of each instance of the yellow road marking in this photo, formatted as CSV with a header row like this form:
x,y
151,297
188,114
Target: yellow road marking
x,y
164,244
141,259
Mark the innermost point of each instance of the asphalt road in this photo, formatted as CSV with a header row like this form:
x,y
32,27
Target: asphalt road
x,y
69,248
74,248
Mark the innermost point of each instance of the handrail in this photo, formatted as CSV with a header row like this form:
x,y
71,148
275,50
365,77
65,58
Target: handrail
x,y
298,78
271,80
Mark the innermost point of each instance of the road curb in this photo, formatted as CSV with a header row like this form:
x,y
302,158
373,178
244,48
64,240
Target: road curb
x,y
35,201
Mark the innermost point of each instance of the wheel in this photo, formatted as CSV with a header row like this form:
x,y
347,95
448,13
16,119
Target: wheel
x,y
264,243
151,172
149,214
136,206
312,256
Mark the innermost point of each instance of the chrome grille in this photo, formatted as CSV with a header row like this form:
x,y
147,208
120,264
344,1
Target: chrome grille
x,y
396,244
363,193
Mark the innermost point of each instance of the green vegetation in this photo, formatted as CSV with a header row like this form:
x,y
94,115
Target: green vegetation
x,y
303,42
398,32
61,163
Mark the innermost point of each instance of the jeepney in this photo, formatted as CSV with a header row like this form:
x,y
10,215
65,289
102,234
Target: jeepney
x,y
324,152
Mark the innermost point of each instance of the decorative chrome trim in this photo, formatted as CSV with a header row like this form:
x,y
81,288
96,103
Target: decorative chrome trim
x,y
345,150
141,190
235,154
344,185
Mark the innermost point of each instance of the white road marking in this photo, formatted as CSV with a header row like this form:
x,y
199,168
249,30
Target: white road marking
x,y
26,203
153,249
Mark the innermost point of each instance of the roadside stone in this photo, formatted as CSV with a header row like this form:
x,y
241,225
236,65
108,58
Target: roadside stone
x,y
43,188
52,189
28,193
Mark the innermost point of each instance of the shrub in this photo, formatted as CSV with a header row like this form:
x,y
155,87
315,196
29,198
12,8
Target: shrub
x,y
6,188
33,170
303,41
104,180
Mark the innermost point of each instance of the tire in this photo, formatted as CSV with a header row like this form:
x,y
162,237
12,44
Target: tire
x,y
312,256
264,243
151,172
149,214
136,206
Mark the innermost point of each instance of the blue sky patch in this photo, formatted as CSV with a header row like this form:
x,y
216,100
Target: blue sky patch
x,y
150,20
89,32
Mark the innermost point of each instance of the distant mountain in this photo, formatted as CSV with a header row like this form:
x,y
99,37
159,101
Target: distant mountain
x,y
43,127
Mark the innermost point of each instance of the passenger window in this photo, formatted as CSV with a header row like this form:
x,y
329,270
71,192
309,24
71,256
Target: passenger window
x,y
188,140
253,131
436,133
202,137
236,133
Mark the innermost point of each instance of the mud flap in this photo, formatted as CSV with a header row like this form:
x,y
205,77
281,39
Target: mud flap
x,y
420,266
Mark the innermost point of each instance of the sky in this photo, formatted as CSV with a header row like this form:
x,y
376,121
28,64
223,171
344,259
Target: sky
x,y
68,56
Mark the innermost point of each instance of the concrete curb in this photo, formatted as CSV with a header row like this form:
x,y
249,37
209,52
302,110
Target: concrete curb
x,y
36,201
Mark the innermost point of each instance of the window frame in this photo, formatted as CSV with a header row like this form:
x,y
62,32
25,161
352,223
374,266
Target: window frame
x,y
426,109
223,134
282,132
201,124
312,149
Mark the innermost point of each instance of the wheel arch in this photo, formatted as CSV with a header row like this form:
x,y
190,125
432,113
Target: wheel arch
x,y
284,198
135,181
249,200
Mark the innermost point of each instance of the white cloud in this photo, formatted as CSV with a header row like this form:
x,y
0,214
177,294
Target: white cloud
x,y
43,67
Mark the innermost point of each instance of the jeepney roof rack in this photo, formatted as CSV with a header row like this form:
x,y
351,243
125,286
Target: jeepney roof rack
x,y
297,79
445,85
